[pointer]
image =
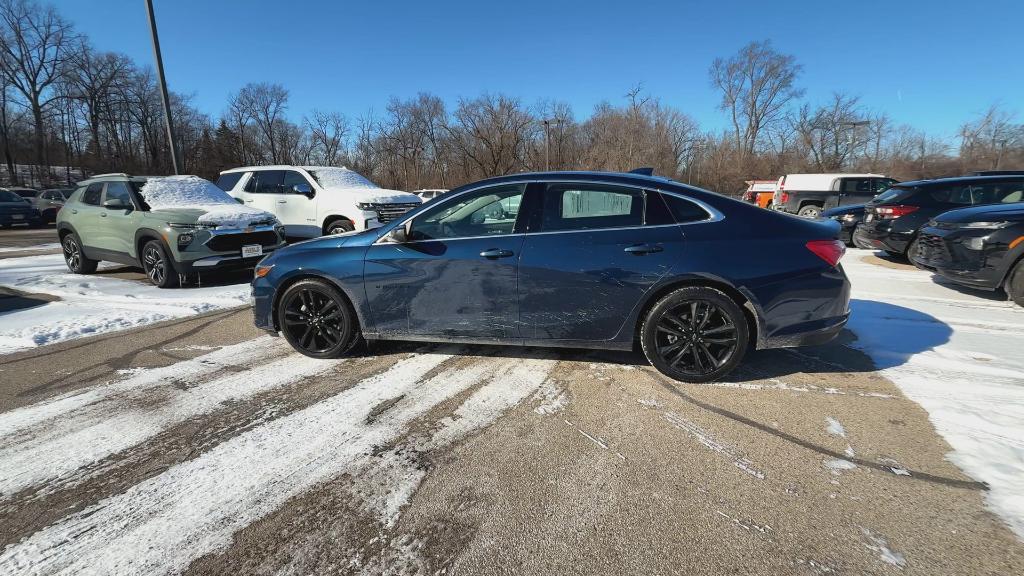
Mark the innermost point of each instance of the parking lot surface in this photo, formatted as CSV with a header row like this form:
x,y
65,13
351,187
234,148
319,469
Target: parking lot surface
x,y
200,446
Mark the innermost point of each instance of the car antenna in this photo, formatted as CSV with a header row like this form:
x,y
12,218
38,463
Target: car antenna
x,y
645,171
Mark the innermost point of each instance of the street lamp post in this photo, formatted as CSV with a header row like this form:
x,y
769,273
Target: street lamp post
x,y
547,136
163,88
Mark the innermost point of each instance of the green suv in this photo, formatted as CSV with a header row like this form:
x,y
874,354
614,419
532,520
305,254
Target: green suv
x,y
174,227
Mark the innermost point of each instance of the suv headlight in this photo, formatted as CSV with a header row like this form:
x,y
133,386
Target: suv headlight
x,y
365,205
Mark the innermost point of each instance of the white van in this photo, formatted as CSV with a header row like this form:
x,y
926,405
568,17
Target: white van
x,y
315,200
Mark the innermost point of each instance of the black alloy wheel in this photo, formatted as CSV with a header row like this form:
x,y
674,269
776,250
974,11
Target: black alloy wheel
x,y
157,265
76,261
317,320
695,334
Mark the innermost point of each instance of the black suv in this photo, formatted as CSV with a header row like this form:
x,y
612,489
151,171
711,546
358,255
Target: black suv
x,y
892,220
981,247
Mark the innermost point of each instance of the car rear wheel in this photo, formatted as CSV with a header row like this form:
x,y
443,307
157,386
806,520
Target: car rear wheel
x,y
339,227
695,334
317,320
157,265
1015,284
75,258
810,211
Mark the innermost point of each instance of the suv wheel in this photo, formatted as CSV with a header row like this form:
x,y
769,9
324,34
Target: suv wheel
x,y
1015,284
317,320
338,226
157,265
810,211
74,257
695,334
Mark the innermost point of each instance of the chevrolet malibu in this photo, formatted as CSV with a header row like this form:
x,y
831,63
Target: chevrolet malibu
x,y
567,259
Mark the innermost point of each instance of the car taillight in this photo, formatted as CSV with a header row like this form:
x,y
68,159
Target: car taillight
x,y
783,196
890,212
828,250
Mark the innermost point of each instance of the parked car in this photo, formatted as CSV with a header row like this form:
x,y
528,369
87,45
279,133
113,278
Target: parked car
x,y
849,217
760,192
981,247
316,200
429,193
809,194
569,259
47,202
173,227
892,220
16,210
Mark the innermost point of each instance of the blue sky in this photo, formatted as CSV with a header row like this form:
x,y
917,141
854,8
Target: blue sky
x,y
932,64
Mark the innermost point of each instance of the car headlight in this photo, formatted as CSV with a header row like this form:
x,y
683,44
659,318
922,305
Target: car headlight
x,y
983,225
848,217
365,205
190,226
185,238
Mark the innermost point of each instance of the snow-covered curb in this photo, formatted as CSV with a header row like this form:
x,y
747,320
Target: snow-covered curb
x,y
958,355
94,304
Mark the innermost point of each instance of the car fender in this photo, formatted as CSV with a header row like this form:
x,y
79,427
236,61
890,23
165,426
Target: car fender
x,y
151,234
352,288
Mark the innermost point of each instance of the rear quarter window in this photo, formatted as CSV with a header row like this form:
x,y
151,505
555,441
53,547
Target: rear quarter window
x,y
669,209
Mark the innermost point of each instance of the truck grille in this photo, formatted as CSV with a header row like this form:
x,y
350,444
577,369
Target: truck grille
x,y
388,212
231,242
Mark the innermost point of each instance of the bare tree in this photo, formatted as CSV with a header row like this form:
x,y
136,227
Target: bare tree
x,y
264,105
328,131
33,40
830,131
757,85
986,141
493,134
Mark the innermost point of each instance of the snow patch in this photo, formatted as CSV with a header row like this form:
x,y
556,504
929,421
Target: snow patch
x,y
834,427
34,248
172,192
837,465
552,398
709,441
879,545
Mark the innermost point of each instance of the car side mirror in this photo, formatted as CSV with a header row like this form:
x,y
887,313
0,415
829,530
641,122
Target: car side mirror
x,y
116,204
304,189
399,235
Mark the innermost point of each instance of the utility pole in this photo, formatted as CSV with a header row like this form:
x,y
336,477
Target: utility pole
x,y
163,88
547,136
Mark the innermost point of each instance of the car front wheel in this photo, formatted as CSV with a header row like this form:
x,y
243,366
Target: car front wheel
x,y
75,258
339,227
695,334
317,320
157,265
1015,284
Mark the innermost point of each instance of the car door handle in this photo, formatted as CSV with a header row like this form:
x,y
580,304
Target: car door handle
x,y
103,214
282,201
641,249
73,211
495,253
248,201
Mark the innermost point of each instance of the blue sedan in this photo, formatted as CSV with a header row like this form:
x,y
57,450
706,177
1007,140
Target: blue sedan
x,y
569,259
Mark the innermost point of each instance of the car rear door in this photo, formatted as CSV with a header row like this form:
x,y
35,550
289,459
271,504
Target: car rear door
x,y
589,258
85,216
456,275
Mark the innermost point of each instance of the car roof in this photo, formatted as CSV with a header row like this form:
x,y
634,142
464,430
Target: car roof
x,y
840,174
955,180
585,175
279,167
113,176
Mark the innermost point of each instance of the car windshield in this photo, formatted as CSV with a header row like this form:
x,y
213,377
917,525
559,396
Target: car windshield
x,y
8,196
891,194
27,193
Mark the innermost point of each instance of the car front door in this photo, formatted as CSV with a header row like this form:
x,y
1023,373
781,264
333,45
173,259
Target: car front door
x,y
263,189
456,273
296,208
118,225
593,254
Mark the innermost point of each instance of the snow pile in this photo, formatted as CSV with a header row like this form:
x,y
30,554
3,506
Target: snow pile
x,y
94,304
340,178
169,192
361,189
957,353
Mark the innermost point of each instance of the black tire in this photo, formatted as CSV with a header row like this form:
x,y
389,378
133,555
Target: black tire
x,y
158,266
810,211
1015,284
695,334
317,320
338,226
911,250
76,260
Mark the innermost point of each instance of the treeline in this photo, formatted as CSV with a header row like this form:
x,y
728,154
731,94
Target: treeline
x,y
66,104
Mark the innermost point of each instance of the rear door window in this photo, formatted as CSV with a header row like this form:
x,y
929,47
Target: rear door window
x,y
93,193
590,206
857,186
266,182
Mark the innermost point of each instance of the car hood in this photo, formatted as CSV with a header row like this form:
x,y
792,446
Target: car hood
x,y
223,215
377,195
991,213
841,210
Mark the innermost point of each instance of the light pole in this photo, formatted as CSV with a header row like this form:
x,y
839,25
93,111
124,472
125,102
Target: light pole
x,y
547,136
163,87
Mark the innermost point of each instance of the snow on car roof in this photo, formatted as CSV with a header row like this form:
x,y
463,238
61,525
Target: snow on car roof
x,y
340,178
195,192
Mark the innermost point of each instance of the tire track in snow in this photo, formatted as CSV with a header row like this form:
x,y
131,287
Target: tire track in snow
x,y
54,452
194,508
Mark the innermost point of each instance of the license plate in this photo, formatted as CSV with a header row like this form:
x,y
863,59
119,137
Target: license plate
x,y
252,250
17,216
